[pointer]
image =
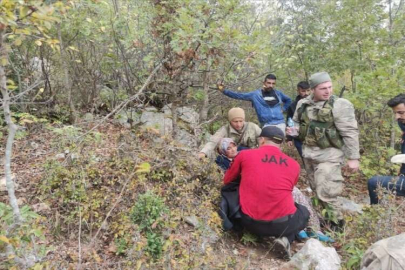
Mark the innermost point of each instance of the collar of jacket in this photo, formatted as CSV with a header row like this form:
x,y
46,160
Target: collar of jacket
x,y
310,100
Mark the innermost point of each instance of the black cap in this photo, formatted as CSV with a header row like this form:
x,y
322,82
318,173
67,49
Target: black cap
x,y
273,132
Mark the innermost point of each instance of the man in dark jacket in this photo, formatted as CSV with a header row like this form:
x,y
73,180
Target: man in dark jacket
x,y
396,183
303,91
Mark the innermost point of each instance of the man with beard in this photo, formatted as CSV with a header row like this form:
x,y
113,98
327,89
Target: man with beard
x,y
328,129
266,101
303,91
396,183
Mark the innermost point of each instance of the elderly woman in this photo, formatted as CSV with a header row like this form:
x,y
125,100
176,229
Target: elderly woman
x,y
227,150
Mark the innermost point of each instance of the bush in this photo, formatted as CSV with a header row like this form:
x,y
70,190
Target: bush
x,y
148,212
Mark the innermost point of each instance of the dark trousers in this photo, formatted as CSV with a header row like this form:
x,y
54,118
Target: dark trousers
x,y
298,145
391,183
288,226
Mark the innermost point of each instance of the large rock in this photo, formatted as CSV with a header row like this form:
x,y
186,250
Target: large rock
x,y
349,206
185,114
125,116
314,256
157,121
188,119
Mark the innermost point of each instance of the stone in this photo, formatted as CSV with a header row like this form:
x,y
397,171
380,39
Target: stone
x,y
186,114
186,139
124,117
192,220
41,207
60,156
314,256
157,121
349,206
34,145
150,109
88,117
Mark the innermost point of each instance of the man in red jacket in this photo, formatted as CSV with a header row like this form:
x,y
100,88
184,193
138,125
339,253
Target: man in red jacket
x,y
267,178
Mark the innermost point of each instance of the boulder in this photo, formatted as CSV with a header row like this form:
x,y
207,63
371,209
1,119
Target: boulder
x,y
349,206
124,117
157,121
314,256
185,114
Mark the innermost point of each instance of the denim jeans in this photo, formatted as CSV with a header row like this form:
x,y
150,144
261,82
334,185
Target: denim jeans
x,y
391,183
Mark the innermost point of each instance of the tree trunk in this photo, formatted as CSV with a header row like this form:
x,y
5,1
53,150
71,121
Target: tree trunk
x,y
174,119
12,129
206,101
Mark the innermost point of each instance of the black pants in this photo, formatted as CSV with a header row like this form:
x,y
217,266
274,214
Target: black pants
x,y
288,226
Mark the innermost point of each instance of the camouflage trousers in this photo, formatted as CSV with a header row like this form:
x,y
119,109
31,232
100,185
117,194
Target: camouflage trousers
x,y
326,180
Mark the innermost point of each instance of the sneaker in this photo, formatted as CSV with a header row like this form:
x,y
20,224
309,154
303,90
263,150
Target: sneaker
x,y
302,235
281,246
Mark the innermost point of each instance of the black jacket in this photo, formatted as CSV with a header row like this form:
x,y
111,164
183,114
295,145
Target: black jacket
x,y
230,208
291,111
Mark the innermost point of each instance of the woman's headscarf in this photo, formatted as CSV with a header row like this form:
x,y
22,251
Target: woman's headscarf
x,y
223,145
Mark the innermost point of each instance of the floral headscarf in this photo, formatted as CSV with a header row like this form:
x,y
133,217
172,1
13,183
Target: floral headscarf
x,y
223,145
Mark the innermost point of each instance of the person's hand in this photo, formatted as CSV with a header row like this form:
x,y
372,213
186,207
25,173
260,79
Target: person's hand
x,y
201,155
353,165
289,143
221,87
291,131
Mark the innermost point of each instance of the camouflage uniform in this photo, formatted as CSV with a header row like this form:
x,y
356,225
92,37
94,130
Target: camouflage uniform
x,y
247,137
326,143
387,254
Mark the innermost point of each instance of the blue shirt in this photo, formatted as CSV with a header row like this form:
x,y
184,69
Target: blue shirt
x,y
267,115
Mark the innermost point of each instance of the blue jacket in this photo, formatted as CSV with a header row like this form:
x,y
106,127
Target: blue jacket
x,y
267,114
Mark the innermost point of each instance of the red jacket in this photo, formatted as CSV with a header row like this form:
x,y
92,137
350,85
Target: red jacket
x,y
268,177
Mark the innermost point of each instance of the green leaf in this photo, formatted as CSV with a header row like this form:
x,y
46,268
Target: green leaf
x,y
143,168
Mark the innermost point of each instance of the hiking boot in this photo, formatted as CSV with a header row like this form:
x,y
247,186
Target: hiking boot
x,y
281,247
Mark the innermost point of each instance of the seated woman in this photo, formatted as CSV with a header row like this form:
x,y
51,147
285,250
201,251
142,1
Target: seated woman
x,y
228,151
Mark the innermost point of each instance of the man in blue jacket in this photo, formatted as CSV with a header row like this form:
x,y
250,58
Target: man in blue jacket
x,y
266,101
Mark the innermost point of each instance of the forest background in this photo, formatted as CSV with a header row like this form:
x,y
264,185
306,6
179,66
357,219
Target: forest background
x,y
62,59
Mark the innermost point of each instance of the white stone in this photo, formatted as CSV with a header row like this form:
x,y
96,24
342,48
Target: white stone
x,y
314,256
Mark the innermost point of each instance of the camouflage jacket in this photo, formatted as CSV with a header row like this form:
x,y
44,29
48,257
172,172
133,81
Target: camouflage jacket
x,y
250,132
344,121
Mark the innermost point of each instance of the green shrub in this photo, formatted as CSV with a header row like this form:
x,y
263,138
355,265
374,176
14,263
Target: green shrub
x,y
155,245
148,212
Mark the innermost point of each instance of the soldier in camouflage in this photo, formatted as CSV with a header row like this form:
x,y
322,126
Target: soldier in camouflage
x,y
328,129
